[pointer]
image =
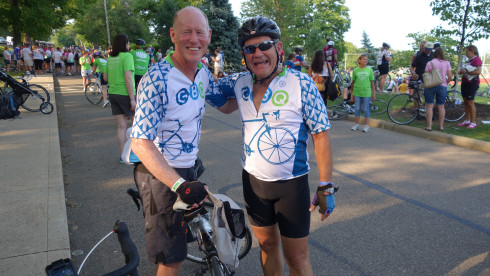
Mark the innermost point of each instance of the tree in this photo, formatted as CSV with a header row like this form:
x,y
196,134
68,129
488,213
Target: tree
x,y
401,59
123,18
304,23
65,36
224,25
467,20
368,48
38,18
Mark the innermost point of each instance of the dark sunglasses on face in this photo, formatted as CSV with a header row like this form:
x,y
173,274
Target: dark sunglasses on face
x,y
263,46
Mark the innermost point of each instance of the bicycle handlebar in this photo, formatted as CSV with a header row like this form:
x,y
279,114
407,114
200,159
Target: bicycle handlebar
x,y
129,250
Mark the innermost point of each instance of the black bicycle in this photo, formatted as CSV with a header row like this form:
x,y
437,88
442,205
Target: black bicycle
x,y
64,267
405,108
340,110
32,97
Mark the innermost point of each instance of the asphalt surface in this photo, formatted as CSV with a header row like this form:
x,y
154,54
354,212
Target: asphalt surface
x,y
406,205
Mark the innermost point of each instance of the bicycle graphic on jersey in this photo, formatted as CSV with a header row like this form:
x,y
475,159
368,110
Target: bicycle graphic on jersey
x,y
174,146
275,144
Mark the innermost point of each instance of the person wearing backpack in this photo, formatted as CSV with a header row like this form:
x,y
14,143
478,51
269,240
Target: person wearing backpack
x,y
321,72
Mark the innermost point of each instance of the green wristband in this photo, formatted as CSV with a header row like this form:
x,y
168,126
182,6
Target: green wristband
x,y
177,184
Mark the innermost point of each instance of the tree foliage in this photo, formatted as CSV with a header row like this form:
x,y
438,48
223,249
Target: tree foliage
x,y
65,36
368,48
468,20
37,19
304,23
224,25
123,18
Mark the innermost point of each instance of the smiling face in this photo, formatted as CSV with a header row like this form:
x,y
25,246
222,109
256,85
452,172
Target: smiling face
x,y
363,61
191,35
262,63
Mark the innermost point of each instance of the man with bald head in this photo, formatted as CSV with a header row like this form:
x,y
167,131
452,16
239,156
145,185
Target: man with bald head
x,y
166,132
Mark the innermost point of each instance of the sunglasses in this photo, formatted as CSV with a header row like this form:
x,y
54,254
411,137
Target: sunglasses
x,y
263,46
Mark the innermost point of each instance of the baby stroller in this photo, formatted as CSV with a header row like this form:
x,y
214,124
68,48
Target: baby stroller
x,y
32,97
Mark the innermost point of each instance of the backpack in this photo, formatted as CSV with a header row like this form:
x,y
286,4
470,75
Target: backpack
x,y
8,108
320,83
332,91
228,222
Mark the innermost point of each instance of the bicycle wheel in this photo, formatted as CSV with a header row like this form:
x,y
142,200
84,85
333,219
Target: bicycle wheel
x,y
217,268
33,101
387,81
338,112
454,106
402,109
377,107
276,145
46,108
93,93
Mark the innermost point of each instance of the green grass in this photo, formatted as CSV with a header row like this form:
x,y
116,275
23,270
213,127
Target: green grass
x,y
482,132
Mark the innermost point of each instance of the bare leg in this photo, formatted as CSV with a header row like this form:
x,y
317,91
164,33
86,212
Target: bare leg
x,y
442,114
168,269
472,110
270,252
297,257
122,126
428,114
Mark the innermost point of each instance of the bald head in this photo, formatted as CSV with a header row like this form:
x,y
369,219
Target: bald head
x,y
190,11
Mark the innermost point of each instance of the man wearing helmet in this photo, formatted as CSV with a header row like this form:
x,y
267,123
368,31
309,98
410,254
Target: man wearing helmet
x,y
141,61
383,63
171,102
279,108
330,53
299,61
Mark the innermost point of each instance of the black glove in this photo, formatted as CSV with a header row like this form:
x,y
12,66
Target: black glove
x,y
192,192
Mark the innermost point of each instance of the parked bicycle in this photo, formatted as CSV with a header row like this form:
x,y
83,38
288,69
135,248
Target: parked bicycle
x,y
341,78
64,267
202,249
405,108
340,110
377,78
93,90
32,97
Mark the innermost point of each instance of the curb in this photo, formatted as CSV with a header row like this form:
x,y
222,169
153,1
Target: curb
x,y
431,135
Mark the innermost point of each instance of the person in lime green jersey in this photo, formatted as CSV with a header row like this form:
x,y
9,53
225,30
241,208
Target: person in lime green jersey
x,y
100,67
85,62
141,61
363,89
120,75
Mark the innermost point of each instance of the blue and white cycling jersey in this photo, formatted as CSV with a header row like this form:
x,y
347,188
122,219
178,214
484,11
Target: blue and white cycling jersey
x,y
170,108
275,137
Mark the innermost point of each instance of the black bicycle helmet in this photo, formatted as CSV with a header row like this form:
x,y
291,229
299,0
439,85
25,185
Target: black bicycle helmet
x,y
386,45
298,49
258,26
140,42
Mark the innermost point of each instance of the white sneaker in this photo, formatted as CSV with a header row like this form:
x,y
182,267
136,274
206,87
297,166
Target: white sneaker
x,y
355,127
105,103
366,129
84,89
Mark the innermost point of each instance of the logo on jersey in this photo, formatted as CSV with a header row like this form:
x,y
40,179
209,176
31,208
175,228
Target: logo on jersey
x,y
267,96
194,91
141,54
245,93
282,83
182,96
201,90
280,98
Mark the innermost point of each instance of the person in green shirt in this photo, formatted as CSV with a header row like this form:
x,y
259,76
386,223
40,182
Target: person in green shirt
x,y
363,89
85,62
120,75
100,67
141,61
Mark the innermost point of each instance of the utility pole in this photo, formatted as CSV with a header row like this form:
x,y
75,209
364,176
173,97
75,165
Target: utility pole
x,y
107,24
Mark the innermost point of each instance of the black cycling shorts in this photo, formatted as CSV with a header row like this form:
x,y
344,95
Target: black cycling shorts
x,y
384,68
120,105
137,79
285,202
165,230
468,90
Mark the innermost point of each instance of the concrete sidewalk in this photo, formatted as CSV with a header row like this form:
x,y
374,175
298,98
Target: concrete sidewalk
x,y
34,229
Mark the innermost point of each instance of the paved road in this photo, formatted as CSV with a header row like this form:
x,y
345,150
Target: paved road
x,y
406,206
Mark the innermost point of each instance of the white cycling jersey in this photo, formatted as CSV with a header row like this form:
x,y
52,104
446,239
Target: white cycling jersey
x,y
275,137
170,109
